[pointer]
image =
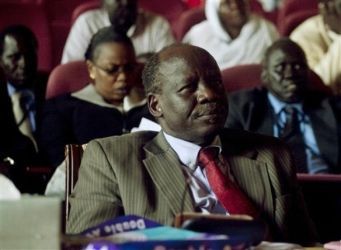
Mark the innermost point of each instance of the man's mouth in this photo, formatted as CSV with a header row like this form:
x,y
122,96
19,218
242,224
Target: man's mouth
x,y
122,91
210,110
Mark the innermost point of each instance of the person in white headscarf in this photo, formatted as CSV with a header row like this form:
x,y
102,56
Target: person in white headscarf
x,y
232,34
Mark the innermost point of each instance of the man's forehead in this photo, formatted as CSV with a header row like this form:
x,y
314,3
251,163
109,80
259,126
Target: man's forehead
x,y
10,43
186,54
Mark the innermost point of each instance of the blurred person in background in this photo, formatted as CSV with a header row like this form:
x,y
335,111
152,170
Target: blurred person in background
x,y
287,95
22,92
231,33
148,32
320,38
111,104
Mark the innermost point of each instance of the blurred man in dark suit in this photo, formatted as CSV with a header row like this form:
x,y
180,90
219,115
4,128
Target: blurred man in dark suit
x,y
316,142
22,95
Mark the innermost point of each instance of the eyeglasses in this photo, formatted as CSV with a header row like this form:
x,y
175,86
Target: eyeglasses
x,y
115,69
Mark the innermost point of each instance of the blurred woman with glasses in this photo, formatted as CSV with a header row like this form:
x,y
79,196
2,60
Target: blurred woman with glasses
x,y
112,104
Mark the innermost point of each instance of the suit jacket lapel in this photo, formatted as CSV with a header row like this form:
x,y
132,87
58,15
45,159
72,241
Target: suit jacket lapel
x,y
261,114
325,128
245,166
165,170
245,169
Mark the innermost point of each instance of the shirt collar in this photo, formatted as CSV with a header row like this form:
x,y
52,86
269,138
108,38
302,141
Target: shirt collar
x,y
11,89
187,151
89,94
278,105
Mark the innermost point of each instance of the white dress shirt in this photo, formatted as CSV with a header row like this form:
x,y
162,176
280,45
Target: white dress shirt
x,y
203,197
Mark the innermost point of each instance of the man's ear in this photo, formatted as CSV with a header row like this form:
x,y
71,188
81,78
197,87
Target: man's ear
x,y
154,105
264,78
91,70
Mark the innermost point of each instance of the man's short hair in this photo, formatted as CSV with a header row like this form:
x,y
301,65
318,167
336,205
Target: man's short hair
x,y
150,79
106,35
19,32
283,43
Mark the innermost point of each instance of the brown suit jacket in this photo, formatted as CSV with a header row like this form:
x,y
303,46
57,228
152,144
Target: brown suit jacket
x,y
140,174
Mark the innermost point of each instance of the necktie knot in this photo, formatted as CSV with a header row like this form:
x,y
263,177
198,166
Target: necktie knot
x,y
292,121
207,155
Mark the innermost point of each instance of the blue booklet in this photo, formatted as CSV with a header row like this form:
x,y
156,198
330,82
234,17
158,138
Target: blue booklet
x,y
134,232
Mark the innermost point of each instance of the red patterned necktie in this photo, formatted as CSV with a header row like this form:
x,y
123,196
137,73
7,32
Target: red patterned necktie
x,y
228,193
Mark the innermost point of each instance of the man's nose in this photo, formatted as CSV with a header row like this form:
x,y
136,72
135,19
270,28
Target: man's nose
x,y
207,92
288,70
21,61
121,74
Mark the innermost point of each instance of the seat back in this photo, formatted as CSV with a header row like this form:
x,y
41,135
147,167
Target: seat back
x,y
322,194
73,157
249,75
33,16
241,77
293,20
187,20
66,78
84,7
292,6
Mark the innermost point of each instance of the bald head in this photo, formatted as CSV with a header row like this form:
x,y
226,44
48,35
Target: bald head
x,y
153,73
286,45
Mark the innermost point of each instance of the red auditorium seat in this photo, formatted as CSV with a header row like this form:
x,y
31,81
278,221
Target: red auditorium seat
x,y
188,19
32,15
66,78
241,77
83,7
194,3
249,75
291,6
293,20
59,14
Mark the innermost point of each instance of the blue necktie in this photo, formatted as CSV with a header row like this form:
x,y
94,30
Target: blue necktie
x,y
293,136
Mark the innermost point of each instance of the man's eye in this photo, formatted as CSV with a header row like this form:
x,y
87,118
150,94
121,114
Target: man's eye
x,y
186,88
14,56
279,68
298,66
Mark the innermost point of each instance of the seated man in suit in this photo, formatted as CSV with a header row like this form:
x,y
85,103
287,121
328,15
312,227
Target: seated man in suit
x,y
22,93
110,105
145,173
231,33
320,38
148,32
315,134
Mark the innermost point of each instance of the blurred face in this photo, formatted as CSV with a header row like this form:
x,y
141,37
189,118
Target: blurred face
x,y
113,71
286,74
122,13
331,12
18,61
192,104
233,13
